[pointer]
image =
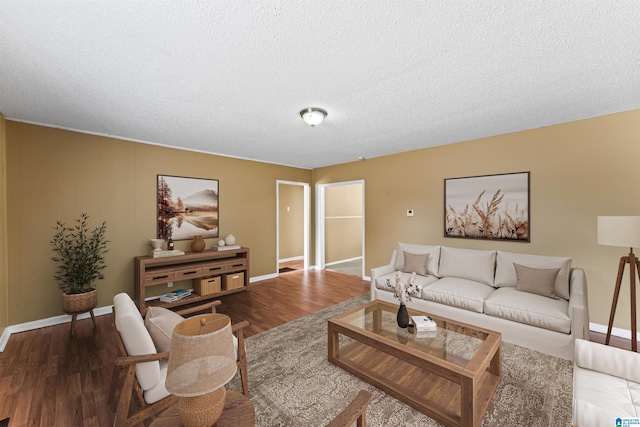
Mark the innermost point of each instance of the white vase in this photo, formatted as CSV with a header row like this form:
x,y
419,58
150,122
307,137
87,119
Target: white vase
x,y
221,242
157,244
230,239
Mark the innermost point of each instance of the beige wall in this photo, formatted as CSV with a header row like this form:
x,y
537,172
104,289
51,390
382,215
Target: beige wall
x,y
55,175
291,209
579,170
343,222
4,290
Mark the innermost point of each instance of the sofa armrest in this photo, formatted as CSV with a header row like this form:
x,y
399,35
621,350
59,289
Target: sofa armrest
x,y
381,271
612,361
578,304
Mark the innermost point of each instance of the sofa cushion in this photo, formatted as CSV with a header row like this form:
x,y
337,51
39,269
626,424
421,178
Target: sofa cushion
x,y
457,292
531,309
469,264
608,360
605,384
136,339
432,262
159,391
415,263
506,273
536,280
160,323
598,399
421,281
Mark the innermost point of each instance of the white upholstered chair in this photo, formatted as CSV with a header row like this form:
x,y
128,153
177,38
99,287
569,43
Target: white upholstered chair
x,y
143,354
606,384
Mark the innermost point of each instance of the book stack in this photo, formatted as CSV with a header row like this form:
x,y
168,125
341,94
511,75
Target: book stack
x,y
424,324
174,296
162,254
226,248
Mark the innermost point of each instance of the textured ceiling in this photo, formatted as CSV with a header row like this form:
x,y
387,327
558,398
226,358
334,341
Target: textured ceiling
x,y
230,76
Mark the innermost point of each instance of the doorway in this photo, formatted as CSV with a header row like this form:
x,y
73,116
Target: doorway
x,y
340,227
292,226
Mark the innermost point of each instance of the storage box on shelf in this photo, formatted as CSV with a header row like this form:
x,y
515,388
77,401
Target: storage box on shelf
x,y
233,281
207,285
151,271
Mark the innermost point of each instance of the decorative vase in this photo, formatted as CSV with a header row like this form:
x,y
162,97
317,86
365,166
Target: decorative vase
x,y
221,242
197,244
157,244
79,303
403,316
230,239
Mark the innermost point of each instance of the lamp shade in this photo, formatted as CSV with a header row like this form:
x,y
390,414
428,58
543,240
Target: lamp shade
x,y
621,231
313,116
202,356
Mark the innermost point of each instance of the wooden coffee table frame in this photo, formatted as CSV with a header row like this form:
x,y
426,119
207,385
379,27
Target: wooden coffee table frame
x,y
426,379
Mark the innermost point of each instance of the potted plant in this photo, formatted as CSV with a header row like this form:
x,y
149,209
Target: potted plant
x,y
79,254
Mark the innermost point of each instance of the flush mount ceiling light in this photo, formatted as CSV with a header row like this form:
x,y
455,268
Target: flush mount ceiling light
x,y
313,116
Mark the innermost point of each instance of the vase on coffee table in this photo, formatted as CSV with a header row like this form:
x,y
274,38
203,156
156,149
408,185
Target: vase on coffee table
x,y
403,316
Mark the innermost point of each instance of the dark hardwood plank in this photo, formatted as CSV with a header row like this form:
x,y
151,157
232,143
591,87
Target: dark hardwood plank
x,y
49,378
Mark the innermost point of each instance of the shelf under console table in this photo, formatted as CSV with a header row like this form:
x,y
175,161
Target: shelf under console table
x,y
151,271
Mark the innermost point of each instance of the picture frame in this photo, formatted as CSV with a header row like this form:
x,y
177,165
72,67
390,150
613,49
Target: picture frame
x,y
489,207
187,207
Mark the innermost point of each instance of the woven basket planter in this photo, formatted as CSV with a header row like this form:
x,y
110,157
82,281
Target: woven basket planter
x,y
79,303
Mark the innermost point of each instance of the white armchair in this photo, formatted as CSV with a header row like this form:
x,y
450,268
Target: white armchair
x,y
143,354
606,384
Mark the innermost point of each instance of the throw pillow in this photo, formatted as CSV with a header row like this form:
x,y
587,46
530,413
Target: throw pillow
x,y
432,262
506,274
536,280
160,323
415,263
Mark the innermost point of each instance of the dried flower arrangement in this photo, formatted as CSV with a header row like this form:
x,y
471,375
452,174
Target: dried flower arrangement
x,y
403,289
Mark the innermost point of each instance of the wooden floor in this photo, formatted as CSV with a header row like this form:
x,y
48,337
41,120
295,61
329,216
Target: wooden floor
x,y
48,378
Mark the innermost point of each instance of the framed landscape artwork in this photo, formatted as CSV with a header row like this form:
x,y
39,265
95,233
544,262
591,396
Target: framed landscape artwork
x,y
493,207
187,207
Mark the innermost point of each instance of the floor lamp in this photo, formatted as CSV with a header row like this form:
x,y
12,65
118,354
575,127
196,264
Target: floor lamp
x,y
622,231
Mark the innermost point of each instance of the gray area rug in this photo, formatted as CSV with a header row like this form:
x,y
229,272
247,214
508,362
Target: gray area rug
x,y
291,383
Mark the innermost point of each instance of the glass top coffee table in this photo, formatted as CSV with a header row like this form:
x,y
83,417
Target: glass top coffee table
x,y
450,375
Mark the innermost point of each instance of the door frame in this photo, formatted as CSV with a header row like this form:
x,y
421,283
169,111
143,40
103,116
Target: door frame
x,y
320,219
306,227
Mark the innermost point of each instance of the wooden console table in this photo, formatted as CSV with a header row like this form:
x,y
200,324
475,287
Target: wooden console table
x,y
151,271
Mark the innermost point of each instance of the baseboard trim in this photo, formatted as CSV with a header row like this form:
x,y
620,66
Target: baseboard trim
x,y
49,321
616,332
343,260
295,258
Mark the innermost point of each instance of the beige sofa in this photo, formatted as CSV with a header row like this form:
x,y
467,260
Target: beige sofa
x,y
511,293
606,385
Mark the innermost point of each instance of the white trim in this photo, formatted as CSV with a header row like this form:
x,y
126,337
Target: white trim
x,y
140,141
295,258
320,219
344,260
616,332
306,218
261,278
49,321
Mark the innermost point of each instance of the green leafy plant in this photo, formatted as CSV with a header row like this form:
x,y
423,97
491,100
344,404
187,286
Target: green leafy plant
x,y
79,254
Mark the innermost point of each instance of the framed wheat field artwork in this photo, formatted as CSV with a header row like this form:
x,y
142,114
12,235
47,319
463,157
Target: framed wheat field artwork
x,y
187,207
493,207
